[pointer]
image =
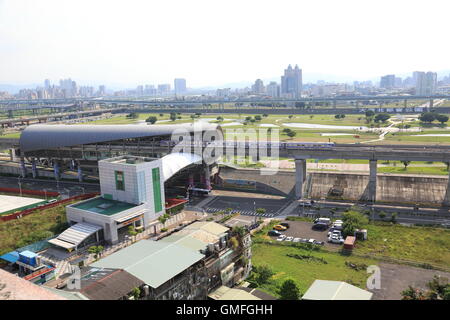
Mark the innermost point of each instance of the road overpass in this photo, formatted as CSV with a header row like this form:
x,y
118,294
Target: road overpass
x,y
153,101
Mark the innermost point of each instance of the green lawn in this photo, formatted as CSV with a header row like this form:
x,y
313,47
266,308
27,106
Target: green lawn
x,y
414,170
32,228
10,135
421,244
304,272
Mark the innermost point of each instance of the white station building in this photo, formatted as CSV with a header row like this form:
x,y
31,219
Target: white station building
x,y
132,193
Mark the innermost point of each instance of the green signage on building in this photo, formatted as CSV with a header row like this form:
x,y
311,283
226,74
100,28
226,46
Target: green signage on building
x,y
157,189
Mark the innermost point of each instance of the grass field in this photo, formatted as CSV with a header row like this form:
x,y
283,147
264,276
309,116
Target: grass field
x,y
414,170
10,135
421,244
386,242
34,227
305,272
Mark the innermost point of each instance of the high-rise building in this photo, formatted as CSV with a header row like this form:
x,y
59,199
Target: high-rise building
x,y
426,83
101,90
273,89
164,89
388,81
291,82
179,86
258,87
47,84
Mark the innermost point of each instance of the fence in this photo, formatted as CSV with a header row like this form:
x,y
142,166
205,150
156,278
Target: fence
x,y
30,192
26,212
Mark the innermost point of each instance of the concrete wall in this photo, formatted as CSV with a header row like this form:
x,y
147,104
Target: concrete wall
x,y
390,188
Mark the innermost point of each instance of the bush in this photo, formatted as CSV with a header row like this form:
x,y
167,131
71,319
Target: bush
x,y
289,290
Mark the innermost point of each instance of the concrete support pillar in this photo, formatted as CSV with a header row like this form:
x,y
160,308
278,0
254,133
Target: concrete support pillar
x,y
446,201
56,170
191,180
80,173
207,178
23,169
34,168
334,103
431,103
373,180
300,170
405,103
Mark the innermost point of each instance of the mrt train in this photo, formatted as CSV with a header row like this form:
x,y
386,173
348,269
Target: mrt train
x,y
249,144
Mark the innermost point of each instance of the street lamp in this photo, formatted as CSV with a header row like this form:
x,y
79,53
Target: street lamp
x,y
20,185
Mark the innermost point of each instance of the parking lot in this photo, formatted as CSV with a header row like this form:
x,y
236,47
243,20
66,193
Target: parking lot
x,y
302,229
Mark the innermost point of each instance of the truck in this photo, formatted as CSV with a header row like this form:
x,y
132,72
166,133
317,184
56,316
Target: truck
x,y
349,243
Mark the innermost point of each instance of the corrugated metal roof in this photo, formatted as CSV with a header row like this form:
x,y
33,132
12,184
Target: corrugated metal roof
x,y
154,262
46,136
75,235
335,290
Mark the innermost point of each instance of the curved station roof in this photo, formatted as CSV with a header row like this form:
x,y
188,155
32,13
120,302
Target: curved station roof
x,y
39,137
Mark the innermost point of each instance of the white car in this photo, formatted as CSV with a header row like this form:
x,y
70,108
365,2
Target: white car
x,y
335,232
296,240
289,238
336,239
311,241
281,238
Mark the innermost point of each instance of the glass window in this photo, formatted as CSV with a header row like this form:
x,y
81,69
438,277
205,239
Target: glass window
x,y
120,180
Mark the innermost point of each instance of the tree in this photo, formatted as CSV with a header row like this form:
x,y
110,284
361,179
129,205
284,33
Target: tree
x,y
173,116
442,118
291,134
220,118
290,116
151,119
163,219
96,250
394,217
353,220
264,273
369,114
258,118
337,116
265,115
382,117
412,294
192,116
427,117
289,290
133,115
161,114
136,293
406,163
248,118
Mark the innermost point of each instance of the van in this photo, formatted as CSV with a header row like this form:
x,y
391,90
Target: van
x,y
326,221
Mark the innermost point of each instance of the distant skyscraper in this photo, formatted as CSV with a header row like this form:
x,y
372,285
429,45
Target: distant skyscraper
x,y
164,89
291,82
258,87
47,84
179,86
426,83
273,90
388,81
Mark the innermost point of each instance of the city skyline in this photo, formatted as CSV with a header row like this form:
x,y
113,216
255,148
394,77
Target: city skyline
x,y
150,41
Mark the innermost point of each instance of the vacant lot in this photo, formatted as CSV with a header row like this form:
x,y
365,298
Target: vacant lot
x,y
421,244
305,271
32,228
396,278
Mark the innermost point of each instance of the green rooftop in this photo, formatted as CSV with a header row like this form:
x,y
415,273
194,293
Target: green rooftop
x,y
104,206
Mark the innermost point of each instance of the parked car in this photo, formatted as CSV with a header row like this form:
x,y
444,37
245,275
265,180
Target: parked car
x,y
281,238
335,232
320,226
323,220
52,201
274,233
311,241
285,224
334,238
307,203
296,240
289,238
319,243
279,227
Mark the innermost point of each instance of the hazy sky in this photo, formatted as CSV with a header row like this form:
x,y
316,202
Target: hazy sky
x,y
212,42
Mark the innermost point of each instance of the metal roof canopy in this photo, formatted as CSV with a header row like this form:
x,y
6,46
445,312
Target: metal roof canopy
x,y
45,136
75,234
335,290
174,162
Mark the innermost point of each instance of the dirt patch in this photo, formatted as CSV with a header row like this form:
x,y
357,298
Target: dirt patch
x,y
396,278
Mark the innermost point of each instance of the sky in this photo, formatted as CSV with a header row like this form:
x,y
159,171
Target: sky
x,y
214,42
